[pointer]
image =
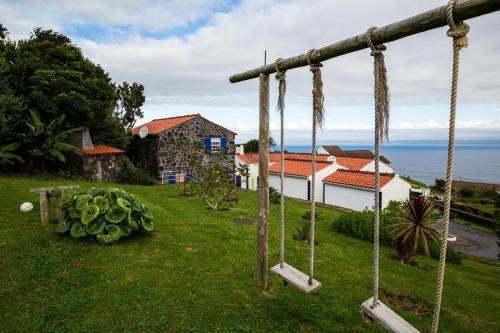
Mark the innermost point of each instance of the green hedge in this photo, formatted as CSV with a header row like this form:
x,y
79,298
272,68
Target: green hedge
x,y
360,225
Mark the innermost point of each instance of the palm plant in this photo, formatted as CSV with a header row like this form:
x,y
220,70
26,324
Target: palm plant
x,y
7,157
48,142
302,231
417,227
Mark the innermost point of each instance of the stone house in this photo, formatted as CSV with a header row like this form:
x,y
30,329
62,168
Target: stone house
x,y
155,149
96,162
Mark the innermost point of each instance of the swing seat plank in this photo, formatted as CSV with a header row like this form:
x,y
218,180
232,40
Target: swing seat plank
x,y
389,319
296,278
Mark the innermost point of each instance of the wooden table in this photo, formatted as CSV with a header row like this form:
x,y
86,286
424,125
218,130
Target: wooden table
x,y
45,194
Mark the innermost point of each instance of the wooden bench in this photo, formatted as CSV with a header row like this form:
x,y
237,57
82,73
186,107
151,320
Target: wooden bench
x,y
45,194
389,319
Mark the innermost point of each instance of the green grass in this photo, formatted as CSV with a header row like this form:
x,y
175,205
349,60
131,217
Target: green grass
x,y
415,183
196,273
473,225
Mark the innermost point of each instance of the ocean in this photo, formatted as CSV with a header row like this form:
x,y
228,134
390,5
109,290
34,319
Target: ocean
x,y
426,162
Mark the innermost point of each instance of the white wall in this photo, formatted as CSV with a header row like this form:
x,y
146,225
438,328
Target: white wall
x,y
294,187
383,167
253,171
320,175
348,197
397,189
322,150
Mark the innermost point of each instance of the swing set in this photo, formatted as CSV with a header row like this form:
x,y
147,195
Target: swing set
x,y
452,15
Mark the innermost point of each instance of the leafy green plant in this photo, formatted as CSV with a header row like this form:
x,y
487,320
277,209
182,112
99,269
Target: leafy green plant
x,y
106,214
416,227
302,231
307,215
360,225
47,141
274,195
7,156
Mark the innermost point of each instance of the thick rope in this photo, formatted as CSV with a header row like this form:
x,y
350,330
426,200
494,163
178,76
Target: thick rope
x,y
317,120
458,31
381,96
281,77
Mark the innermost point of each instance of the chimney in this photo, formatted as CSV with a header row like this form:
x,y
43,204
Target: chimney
x,y
240,149
81,139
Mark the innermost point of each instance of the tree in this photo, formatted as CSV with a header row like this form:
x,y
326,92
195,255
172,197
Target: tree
x,y
130,100
188,159
52,77
215,184
244,171
47,141
3,32
252,146
7,156
440,184
416,227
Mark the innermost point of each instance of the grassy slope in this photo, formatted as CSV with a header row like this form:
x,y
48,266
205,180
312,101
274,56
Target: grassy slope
x,y
196,273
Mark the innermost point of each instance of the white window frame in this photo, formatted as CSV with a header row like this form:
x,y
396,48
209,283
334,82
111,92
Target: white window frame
x,y
215,144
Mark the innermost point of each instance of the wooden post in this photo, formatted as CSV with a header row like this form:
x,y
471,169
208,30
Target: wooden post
x,y
59,203
262,227
44,207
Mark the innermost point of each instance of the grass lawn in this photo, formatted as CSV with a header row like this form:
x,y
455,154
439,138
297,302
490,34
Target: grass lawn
x,y
196,273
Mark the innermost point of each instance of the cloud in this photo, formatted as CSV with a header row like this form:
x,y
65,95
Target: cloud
x,y
188,72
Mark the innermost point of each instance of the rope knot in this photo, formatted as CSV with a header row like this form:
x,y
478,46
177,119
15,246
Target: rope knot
x,y
280,75
458,31
317,92
376,48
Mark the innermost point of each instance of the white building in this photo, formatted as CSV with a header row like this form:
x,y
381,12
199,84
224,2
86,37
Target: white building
x,y
342,178
297,180
354,189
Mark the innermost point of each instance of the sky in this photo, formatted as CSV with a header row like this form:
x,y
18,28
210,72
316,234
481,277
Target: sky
x,y
183,52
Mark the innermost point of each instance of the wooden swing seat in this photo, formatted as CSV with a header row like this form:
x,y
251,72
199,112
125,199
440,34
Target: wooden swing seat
x,y
389,319
297,278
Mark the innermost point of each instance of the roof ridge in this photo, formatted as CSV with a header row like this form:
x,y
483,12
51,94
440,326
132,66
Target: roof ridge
x,y
305,160
365,172
187,115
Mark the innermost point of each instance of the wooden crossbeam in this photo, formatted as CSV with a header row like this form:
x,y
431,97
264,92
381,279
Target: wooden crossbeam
x,y
432,19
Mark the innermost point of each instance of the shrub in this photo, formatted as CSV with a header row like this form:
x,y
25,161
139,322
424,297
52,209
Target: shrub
x,y
302,231
307,215
452,256
106,214
466,192
360,225
274,195
135,176
440,184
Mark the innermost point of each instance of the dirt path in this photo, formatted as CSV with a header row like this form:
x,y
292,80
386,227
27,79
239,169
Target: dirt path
x,y
475,242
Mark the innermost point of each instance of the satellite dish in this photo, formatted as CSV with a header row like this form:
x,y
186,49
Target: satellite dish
x,y
143,132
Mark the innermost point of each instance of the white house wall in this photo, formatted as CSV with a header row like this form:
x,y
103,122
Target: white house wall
x,y
294,187
384,168
397,189
320,175
322,150
348,197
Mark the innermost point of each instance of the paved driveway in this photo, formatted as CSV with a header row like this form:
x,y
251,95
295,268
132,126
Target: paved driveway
x,y
475,242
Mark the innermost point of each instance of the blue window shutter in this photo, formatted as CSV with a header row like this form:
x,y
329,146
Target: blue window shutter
x,y
208,144
223,142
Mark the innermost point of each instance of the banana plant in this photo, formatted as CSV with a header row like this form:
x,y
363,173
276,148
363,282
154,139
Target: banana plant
x,y
7,157
48,142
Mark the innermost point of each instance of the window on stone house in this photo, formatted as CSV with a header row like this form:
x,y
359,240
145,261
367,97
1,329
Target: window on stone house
x,y
215,144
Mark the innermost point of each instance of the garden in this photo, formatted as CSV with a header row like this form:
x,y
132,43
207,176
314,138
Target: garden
x,y
195,271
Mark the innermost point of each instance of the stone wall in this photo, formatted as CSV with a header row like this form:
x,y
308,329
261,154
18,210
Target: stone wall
x,y
195,130
106,168
157,153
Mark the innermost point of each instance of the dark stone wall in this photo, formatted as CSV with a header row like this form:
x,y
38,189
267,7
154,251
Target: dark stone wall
x,y
156,153
142,153
106,168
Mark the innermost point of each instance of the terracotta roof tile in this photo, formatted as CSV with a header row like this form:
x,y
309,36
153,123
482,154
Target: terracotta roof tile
x,y
357,178
298,168
353,163
159,125
101,150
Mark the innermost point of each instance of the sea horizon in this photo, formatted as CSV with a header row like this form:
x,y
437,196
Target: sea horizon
x,y
475,161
